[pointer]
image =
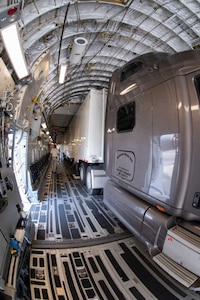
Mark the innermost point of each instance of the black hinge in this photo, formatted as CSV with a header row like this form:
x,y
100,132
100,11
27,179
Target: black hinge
x,y
196,200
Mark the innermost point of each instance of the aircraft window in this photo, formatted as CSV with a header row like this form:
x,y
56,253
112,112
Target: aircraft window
x,y
126,117
197,84
130,69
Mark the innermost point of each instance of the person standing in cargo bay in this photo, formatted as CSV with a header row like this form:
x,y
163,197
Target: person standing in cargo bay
x,y
54,155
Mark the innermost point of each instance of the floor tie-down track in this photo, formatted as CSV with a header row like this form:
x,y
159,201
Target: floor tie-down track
x,y
81,251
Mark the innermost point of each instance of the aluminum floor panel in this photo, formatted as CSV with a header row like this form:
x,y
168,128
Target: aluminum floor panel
x,y
82,251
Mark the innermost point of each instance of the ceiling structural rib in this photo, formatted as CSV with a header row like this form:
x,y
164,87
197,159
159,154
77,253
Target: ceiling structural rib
x,y
116,32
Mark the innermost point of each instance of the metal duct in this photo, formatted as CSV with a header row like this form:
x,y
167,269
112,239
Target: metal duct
x,y
78,50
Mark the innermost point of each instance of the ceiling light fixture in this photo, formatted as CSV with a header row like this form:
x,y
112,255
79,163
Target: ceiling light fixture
x,y
63,70
11,39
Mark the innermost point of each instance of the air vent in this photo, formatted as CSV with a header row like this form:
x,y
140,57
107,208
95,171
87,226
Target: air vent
x,y
131,69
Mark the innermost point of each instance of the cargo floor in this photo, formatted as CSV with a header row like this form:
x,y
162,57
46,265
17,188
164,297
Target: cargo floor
x,y
81,251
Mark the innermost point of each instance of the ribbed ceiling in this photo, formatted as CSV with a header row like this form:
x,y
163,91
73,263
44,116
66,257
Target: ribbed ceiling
x,y
115,32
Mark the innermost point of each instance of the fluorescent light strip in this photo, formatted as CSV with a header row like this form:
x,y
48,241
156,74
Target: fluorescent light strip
x,y
11,40
63,70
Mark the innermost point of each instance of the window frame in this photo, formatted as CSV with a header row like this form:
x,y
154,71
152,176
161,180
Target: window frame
x,y
127,122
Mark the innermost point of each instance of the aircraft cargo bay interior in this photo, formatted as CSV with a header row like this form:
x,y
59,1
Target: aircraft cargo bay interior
x,y
99,149
81,251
